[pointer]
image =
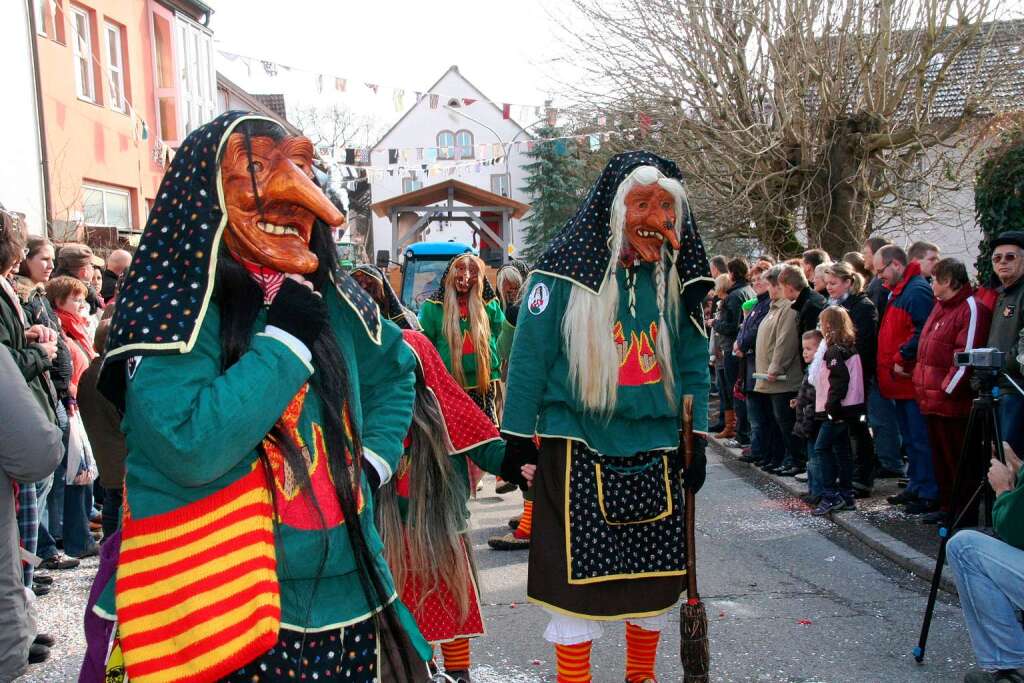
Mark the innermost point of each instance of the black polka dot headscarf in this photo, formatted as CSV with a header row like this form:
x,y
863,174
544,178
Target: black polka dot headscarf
x,y
168,287
581,251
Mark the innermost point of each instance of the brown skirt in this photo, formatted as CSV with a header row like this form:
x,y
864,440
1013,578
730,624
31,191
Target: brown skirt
x,y
548,583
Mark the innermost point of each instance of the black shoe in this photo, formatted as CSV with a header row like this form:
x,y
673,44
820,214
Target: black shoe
x,y
40,590
750,458
791,471
937,517
38,653
42,579
862,487
59,561
45,640
903,482
460,676
902,498
810,499
886,473
505,487
861,493
921,506
91,551
513,523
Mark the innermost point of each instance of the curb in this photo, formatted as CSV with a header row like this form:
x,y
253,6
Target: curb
x,y
867,533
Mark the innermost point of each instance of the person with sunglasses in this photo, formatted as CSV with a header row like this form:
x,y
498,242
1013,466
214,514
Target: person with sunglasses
x,y
1007,321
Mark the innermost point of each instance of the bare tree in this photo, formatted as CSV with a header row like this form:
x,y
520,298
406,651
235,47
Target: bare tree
x,y
333,128
790,117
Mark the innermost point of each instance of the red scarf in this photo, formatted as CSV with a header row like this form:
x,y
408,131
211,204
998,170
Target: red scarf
x,y
76,329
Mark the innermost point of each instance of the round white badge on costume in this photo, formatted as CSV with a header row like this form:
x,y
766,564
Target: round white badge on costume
x,y
539,297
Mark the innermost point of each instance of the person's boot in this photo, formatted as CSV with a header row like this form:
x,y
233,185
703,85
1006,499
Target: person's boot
x,y
461,676
1001,676
38,653
513,523
509,541
730,426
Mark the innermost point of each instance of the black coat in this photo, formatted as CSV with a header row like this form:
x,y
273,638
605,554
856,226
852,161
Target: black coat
x,y
730,317
878,293
865,323
808,307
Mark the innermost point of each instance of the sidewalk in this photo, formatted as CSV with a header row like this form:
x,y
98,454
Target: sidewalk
x,y
881,526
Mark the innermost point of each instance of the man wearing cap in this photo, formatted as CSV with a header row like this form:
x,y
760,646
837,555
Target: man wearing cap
x,y
1004,334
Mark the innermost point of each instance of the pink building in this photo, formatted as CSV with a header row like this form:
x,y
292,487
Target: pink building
x,y
122,83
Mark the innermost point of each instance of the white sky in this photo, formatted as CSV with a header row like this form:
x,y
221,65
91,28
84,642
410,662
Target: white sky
x,y
502,47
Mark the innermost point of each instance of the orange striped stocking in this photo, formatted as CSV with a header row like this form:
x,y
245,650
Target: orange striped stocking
x,y
456,655
573,662
641,649
525,527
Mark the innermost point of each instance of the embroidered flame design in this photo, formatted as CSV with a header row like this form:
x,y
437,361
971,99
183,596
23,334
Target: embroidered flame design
x,y
638,363
467,344
294,508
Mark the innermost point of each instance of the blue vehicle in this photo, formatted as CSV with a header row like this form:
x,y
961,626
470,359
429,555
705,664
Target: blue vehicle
x,y
423,267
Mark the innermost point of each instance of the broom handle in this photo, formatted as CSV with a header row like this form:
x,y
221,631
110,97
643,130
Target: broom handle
x,y
689,512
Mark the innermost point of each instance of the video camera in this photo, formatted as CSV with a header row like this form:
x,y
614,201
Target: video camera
x,y
980,359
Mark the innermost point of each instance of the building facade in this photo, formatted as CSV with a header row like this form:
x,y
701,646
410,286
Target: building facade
x,y
122,83
462,125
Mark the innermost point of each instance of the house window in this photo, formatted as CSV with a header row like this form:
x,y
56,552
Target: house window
x,y
197,82
106,207
164,79
411,184
81,47
40,18
500,184
464,144
115,67
446,145
49,18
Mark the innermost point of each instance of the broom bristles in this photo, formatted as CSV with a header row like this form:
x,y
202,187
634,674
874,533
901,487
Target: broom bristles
x,y
694,651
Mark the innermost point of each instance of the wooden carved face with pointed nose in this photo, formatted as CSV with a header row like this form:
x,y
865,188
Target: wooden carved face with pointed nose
x,y
273,202
650,221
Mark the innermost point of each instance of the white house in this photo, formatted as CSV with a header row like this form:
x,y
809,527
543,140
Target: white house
x,y
462,125
21,175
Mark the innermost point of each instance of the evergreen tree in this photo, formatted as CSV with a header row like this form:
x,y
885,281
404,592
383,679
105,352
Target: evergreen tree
x,y
554,183
999,197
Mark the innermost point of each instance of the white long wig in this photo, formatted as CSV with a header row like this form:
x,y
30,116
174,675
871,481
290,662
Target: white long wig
x,y
590,318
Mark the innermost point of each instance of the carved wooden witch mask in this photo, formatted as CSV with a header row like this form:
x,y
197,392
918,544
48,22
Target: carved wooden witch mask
x,y
650,220
272,201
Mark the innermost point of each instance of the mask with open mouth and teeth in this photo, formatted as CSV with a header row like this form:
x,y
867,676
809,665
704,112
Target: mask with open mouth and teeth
x,y
272,201
650,220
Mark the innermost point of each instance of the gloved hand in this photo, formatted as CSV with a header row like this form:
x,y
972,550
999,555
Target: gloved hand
x,y
372,476
697,472
519,451
298,311
512,314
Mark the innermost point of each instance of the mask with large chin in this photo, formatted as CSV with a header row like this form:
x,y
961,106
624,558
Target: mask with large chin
x,y
650,221
275,231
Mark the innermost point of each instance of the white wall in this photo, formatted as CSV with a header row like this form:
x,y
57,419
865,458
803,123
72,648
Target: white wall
x,y
420,128
21,179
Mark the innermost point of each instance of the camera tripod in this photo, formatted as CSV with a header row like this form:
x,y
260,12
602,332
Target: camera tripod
x,y
982,438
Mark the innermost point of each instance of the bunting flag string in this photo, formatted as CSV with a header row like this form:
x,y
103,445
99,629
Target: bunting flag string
x,y
485,153
509,110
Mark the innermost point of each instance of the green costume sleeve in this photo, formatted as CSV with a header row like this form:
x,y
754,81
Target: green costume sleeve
x,y
508,333
534,351
488,456
199,422
430,320
1008,514
694,377
496,318
386,380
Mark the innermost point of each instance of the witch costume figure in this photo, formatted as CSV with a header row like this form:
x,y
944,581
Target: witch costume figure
x,y
463,319
375,282
610,337
264,402
423,513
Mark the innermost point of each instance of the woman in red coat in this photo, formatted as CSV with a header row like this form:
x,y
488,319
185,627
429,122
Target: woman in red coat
x,y
958,322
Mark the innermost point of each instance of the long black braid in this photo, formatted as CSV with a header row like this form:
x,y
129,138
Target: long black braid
x,y
240,300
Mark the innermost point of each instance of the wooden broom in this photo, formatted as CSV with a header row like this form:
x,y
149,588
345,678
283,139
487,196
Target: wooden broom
x,y
694,650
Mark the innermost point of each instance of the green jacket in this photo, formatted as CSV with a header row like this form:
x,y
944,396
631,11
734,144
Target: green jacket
x,y
1008,514
192,429
542,401
432,321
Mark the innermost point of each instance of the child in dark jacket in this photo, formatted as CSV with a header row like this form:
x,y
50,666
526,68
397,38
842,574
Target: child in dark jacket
x,y
807,426
839,401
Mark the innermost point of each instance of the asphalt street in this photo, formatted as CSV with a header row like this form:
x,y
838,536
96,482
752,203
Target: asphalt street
x,y
790,597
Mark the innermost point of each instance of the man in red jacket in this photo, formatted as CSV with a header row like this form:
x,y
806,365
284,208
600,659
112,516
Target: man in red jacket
x,y
958,322
910,303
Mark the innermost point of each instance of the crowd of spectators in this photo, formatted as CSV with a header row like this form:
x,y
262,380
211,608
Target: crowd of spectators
x,y
62,451
846,372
